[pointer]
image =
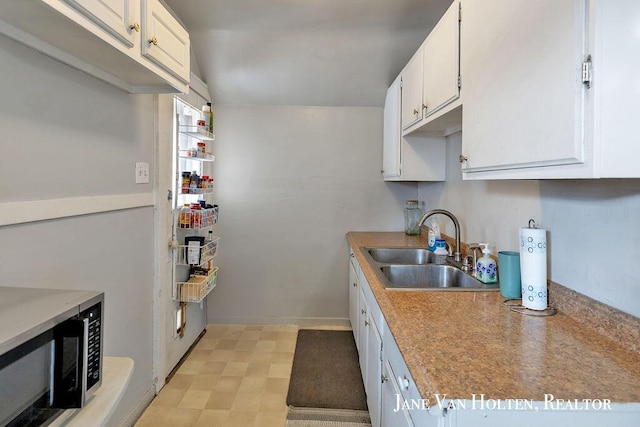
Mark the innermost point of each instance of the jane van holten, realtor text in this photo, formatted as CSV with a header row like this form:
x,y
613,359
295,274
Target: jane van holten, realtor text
x,y
480,402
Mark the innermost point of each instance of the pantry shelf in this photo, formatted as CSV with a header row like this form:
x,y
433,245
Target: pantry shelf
x,y
199,157
197,287
207,252
197,132
196,219
197,191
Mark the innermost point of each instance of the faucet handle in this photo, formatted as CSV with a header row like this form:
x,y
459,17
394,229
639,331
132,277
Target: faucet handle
x,y
449,248
466,263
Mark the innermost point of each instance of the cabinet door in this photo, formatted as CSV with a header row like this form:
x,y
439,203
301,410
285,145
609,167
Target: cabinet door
x,y
114,16
164,40
373,371
442,62
392,132
354,295
412,91
390,414
362,334
523,92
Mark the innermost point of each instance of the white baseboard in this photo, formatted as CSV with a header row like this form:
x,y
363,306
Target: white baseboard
x,y
300,321
136,412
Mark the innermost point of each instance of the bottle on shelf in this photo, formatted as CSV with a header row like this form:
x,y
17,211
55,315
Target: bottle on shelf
x,y
185,216
193,182
208,117
186,181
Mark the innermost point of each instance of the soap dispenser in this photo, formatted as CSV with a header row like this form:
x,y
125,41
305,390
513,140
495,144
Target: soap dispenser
x,y
486,270
433,235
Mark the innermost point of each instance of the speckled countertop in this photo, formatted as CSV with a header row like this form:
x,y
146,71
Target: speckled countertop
x,y
464,343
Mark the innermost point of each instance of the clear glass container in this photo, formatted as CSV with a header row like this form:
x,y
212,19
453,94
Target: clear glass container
x,y
412,214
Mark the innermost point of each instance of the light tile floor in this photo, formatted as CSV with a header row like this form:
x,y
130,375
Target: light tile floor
x,y
237,375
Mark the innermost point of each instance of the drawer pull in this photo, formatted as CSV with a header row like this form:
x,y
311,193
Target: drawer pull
x,y
404,382
366,323
363,311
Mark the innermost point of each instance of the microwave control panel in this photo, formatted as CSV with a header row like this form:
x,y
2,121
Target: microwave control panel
x,y
94,317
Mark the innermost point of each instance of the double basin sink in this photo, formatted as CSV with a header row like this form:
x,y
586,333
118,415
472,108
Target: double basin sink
x,y
420,269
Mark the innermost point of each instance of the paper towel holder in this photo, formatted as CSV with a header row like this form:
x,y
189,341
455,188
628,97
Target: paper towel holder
x,y
515,305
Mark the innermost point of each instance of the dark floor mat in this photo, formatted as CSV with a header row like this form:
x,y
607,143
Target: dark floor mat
x,y
325,372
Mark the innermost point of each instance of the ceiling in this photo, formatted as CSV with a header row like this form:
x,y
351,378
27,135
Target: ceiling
x,y
304,52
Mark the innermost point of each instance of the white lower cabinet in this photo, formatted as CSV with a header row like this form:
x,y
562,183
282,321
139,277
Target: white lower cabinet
x,y
362,333
388,384
379,357
390,414
407,399
373,370
354,289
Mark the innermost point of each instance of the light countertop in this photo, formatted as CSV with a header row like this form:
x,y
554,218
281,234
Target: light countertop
x,y
464,343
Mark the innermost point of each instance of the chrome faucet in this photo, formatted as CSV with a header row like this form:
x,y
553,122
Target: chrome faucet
x,y
473,247
455,223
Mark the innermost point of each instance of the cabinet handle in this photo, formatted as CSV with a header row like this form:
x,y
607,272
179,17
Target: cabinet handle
x,y
363,311
355,284
404,382
384,378
424,106
135,27
462,158
366,323
154,41
415,112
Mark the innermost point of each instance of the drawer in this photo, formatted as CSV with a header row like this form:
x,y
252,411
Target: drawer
x,y
374,309
406,384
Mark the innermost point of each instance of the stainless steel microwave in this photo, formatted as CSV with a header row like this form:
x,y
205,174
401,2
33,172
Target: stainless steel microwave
x,y
50,352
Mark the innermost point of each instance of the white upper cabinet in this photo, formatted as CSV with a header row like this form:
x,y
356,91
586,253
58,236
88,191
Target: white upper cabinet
x,y
164,41
441,59
117,17
550,89
523,103
135,45
412,105
431,80
392,133
411,157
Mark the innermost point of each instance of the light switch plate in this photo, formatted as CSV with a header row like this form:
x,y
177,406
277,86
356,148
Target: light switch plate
x,y
142,173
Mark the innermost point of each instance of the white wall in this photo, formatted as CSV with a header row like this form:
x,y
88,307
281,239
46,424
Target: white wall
x,y
290,182
65,134
592,225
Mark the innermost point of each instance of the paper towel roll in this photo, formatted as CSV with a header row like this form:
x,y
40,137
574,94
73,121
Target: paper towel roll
x,y
533,267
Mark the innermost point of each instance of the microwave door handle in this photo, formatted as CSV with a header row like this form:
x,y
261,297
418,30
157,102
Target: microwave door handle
x,y
70,340
84,361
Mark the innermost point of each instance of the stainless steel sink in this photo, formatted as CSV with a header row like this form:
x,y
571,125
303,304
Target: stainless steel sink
x,y
419,269
430,276
416,256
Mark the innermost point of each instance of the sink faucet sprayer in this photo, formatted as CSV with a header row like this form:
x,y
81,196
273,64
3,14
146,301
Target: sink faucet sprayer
x,y
455,223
